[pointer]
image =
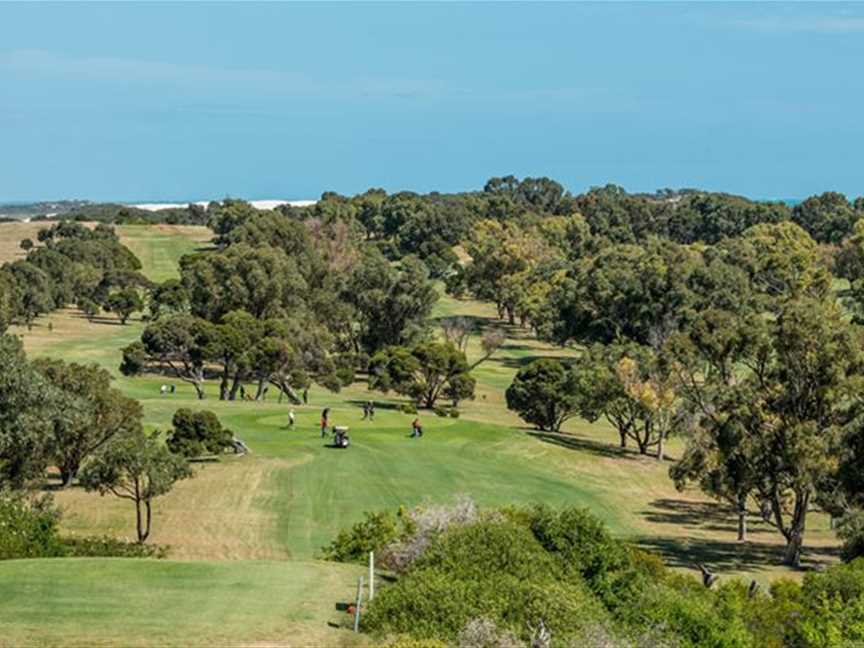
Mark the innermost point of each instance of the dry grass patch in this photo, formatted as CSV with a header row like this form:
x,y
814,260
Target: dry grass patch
x,y
224,512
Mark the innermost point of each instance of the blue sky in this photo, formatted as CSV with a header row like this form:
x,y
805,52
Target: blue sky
x,y
186,101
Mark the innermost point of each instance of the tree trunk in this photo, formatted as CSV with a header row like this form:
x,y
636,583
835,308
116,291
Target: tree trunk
x,y
794,543
259,393
67,474
235,387
139,522
149,520
660,440
742,518
623,438
223,386
795,533
199,389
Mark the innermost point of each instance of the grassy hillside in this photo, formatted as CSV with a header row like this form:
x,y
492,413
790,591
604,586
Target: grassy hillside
x,y
252,525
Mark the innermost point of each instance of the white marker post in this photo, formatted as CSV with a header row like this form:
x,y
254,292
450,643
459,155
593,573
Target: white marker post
x,y
371,575
357,606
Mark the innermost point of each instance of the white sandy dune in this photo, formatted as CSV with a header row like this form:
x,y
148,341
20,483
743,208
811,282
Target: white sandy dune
x,y
258,204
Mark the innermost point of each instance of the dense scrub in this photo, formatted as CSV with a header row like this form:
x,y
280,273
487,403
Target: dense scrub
x,y
498,577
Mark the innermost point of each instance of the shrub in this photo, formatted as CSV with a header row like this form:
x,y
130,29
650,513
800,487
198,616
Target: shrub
x,y
582,544
422,525
492,569
433,603
408,408
197,433
484,633
441,411
28,527
488,547
108,547
851,532
454,413
690,613
373,533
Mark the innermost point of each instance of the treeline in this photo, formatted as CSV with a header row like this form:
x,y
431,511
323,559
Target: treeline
x,y
116,214
73,265
284,302
536,576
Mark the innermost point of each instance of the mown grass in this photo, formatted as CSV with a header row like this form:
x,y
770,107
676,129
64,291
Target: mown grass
x,y
293,493
130,602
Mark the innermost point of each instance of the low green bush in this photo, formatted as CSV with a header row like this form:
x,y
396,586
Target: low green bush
x,y
691,614
197,433
445,411
500,547
493,569
408,408
851,532
108,547
373,533
28,527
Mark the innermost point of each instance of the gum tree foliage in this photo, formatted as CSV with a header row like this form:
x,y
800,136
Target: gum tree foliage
x,y
713,217
784,417
627,291
264,282
634,388
504,257
181,344
424,372
168,298
708,356
9,300
124,302
28,404
544,394
390,303
782,261
34,290
226,216
828,217
137,467
94,413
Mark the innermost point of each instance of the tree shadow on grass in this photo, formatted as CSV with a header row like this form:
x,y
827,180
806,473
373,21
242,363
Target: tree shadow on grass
x,y
710,516
584,445
730,555
383,405
684,550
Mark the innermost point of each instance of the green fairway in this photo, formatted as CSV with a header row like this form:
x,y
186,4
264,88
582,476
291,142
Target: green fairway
x,y
244,532
159,247
85,602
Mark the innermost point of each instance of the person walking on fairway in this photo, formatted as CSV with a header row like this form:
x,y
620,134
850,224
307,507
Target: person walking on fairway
x,y
325,416
291,419
416,428
365,410
371,411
